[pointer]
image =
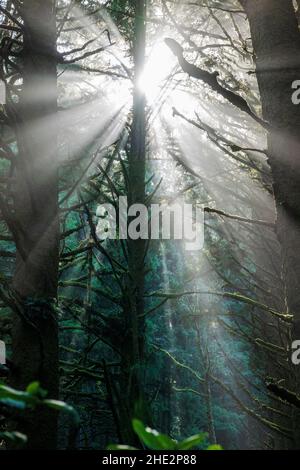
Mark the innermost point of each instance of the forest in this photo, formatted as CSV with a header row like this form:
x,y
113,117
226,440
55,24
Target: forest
x,y
149,225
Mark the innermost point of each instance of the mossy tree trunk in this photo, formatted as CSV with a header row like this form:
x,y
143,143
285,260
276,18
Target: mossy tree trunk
x,y
132,367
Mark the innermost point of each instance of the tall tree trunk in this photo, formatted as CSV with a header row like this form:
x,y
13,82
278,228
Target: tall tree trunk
x,y
137,181
35,338
276,43
134,304
137,176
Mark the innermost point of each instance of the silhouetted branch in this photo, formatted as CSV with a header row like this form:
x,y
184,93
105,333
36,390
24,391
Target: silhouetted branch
x,y
211,80
283,393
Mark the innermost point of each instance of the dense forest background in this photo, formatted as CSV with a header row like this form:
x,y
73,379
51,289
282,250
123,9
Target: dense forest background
x,y
159,101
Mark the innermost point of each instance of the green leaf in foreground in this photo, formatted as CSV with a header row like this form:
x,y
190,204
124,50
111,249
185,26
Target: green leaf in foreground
x,y
64,407
35,389
192,442
15,437
120,447
152,438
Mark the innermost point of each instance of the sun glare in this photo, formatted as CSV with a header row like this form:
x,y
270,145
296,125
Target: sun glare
x,y
158,68
159,84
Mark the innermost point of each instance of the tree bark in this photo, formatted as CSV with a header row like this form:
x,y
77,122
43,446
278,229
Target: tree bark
x,y
132,374
35,336
137,158
276,42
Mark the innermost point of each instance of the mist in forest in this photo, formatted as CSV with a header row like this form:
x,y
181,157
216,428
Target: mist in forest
x,y
162,103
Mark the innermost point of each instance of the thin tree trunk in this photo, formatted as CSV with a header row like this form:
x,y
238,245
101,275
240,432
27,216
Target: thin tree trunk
x,y
137,182
35,338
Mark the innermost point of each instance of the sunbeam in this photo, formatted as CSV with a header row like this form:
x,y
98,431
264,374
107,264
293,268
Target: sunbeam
x,y
149,225
158,69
